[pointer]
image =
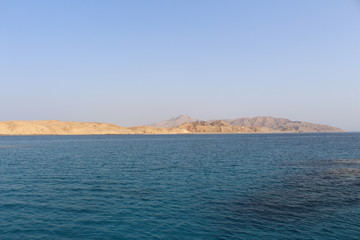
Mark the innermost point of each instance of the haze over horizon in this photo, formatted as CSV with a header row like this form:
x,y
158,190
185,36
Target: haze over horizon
x,y
139,62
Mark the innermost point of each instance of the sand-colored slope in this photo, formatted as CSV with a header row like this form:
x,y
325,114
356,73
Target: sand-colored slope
x,y
53,127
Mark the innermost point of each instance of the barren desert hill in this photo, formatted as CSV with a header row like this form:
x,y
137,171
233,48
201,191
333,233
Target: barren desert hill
x,y
55,127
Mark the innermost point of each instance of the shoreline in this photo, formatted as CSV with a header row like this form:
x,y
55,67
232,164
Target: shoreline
x,y
195,133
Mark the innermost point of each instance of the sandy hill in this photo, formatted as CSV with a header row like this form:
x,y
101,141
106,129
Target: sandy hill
x,y
54,127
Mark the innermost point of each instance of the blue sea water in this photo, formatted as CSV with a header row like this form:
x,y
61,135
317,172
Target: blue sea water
x,y
251,186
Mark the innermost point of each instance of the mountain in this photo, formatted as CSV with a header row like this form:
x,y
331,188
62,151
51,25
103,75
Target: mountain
x,y
219,126
282,124
173,122
255,124
185,124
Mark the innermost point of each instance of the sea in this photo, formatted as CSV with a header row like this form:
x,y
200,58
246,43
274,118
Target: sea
x,y
221,186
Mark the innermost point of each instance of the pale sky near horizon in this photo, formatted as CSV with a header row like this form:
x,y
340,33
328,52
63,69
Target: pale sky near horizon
x,y
139,62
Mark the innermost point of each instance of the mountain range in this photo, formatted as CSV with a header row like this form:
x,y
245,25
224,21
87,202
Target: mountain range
x,y
265,124
182,124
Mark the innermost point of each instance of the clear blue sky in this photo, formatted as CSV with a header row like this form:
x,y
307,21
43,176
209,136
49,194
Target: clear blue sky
x,y
138,61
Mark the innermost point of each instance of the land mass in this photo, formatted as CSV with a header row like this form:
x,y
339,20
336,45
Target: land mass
x,y
179,125
255,124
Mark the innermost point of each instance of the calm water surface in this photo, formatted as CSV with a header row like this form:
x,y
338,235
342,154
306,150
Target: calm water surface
x,y
274,186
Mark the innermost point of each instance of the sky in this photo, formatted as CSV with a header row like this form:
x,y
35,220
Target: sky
x,y
136,62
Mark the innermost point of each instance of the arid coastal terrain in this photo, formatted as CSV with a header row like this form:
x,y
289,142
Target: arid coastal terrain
x,y
180,125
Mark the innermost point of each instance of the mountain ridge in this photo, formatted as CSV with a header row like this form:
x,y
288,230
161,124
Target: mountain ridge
x,y
193,126
273,124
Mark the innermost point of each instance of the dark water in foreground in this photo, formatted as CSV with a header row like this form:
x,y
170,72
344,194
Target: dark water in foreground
x,y
275,186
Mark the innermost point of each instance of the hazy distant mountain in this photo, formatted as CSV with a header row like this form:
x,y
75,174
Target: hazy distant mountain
x,y
219,126
282,124
173,122
258,124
